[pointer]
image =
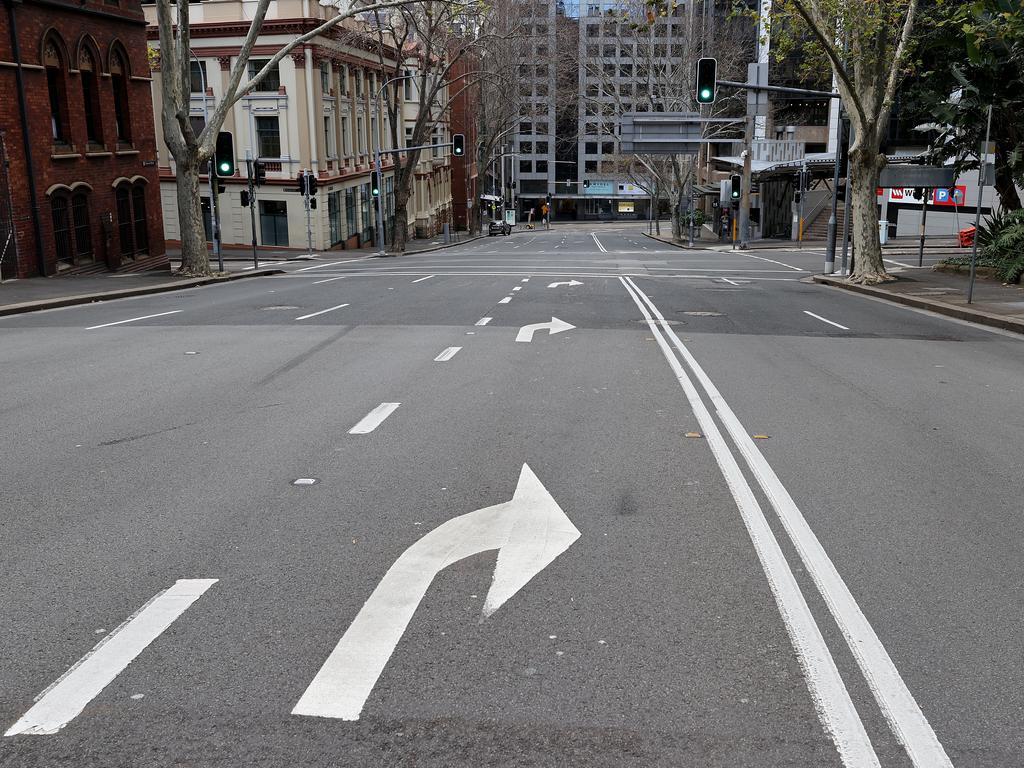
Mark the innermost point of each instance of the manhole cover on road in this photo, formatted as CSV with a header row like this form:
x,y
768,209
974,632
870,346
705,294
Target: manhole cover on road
x,y
703,314
278,306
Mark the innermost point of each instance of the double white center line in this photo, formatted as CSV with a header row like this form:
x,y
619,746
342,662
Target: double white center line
x,y
831,697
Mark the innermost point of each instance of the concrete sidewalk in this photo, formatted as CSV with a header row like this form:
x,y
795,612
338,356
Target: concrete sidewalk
x,y
33,294
994,304
901,247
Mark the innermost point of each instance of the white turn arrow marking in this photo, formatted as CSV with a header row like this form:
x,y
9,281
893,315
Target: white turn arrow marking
x,y
529,532
570,283
555,326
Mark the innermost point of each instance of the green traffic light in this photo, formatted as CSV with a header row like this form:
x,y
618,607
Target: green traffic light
x,y
225,167
706,93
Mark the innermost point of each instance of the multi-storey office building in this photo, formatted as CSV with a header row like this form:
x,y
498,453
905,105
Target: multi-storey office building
x,y
320,110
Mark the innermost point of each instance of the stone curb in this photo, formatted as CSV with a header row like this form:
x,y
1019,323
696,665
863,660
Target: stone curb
x,y
90,298
940,307
427,250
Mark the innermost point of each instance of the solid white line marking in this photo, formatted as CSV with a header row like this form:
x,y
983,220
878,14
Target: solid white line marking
x,y
420,280
329,279
901,264
506,300
483,321
63,701
773,261
896,701
825,320
132,320
332,264
448,354
594,235
374,419
831,698
321,312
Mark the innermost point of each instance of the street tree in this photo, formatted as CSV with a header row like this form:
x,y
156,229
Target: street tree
x,y
438,45
868,44
986,39
191,149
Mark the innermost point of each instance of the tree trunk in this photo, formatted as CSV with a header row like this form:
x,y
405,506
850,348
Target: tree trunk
x,y
1005,187
195,258
867,249
400,228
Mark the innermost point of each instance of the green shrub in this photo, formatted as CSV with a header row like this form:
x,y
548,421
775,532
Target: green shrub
x,y
1000,245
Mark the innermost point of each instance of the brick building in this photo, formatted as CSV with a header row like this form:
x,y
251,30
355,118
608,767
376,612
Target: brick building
x,y
78,182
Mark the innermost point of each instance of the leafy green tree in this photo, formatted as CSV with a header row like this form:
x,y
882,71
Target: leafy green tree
x,y
972,56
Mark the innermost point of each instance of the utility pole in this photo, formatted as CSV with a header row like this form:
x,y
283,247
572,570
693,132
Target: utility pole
x,y
924,219
380,198
748,140
830,247
803,194
215,215
982,167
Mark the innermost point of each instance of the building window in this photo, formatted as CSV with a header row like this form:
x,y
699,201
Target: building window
x,y
542,166
274,222
343,81
325,78
268,136
197,76
132,230
350,211
83,235
358,80
608,147
328,137
55,85
119,83
346,147
61,229
360,136
542,147
590,148
590,166
408,85
90,98
334,217
526,147
525,166
269,84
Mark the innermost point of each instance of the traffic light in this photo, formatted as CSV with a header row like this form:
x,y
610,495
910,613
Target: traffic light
x,y
735,183
259,169
301,181
458,144
586,183
245,198
918,193
220,187
375,184
224,155
707,80
312,203
311,182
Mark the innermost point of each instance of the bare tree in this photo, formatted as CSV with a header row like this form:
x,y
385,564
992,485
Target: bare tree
x,y
867,43
191,149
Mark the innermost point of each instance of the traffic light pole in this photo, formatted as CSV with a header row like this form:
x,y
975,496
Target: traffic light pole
x,y
215,216
309,212
249,169
380,204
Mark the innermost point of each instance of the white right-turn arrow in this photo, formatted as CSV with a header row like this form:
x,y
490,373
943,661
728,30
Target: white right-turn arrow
x,y
555,326
570,283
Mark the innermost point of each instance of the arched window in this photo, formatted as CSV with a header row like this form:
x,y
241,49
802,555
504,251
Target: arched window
x,y
56,72
61,229
72,227
89,74
119,82
132,225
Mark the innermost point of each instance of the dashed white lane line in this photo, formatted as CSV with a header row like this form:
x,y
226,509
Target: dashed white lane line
x,y
825,320
506,300
420,280
67,697
601,247
321,312
329,279
525,280
483,321
518,288
447,355
374,419
133,319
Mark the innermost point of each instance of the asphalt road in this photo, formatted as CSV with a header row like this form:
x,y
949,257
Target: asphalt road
x,y
763,522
